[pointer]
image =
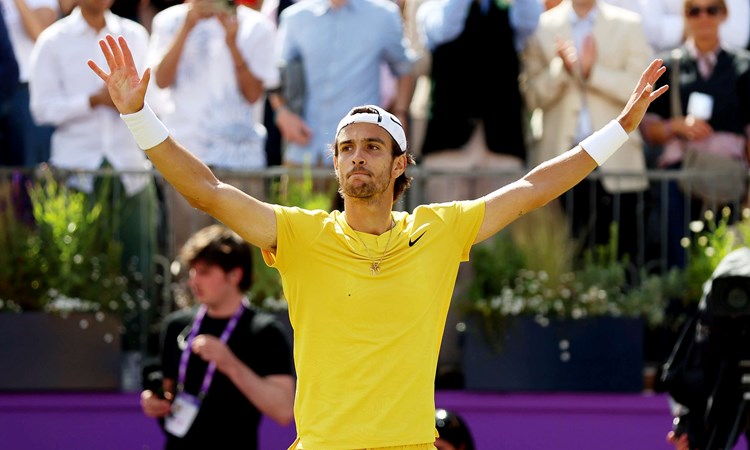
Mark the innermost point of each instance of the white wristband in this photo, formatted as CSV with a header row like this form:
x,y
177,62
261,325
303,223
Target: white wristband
x,y
605,142
146,128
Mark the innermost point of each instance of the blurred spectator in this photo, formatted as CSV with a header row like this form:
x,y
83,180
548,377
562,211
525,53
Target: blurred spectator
x,y
89,133
25,143
476,117
582,51
389,84
454,433
213,108
230,363
707,69
341,68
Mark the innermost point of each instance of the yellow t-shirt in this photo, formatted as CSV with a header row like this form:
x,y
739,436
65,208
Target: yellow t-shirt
x,y
366,346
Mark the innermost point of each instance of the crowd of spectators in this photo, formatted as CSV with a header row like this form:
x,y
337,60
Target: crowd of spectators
x,y
221,71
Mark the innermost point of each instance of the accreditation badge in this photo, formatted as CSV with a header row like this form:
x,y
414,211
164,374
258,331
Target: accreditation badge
x,y
184,409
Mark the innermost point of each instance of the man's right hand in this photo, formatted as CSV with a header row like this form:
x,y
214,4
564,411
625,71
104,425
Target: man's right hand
x,y
126,88
154,406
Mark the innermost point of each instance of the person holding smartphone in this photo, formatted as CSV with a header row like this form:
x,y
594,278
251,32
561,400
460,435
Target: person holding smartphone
x,y
212,61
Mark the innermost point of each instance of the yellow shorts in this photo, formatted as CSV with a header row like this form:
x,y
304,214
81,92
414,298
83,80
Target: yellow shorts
x,y
431,446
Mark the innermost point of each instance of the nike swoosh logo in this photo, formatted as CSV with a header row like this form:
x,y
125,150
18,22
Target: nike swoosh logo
x,y
412,242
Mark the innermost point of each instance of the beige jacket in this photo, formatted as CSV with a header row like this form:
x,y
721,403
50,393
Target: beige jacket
x,y
622,55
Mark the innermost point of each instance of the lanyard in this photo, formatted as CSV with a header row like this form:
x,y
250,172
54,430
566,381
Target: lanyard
x,y
208,376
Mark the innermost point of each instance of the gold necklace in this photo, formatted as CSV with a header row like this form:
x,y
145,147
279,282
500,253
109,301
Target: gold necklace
x,y
375,265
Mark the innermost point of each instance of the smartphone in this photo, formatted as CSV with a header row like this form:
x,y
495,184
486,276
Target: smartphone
x,y
152,379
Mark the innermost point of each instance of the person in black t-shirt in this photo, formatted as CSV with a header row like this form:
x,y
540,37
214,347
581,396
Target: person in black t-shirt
x,y
224,364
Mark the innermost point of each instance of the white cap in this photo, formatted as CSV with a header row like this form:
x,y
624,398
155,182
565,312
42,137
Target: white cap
x,y
381,118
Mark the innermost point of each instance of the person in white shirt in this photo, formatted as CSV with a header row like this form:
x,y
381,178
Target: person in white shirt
x,y
24,143
89,133
66,96
212,65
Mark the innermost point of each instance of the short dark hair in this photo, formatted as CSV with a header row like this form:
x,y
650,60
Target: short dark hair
x,y
217,245
403,182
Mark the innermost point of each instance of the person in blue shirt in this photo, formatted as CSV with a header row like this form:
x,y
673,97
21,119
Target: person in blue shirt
x,y
341,66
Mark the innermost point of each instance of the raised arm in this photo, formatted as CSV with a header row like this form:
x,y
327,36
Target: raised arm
x,y
554,177
252,219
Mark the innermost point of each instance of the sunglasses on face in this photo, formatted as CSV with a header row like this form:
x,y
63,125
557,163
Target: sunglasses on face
x,y
695,11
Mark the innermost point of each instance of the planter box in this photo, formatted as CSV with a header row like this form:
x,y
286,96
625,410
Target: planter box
x,y
602,354
47,352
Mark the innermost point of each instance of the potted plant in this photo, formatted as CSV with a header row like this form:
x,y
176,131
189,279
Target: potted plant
x,y
64,293
540,318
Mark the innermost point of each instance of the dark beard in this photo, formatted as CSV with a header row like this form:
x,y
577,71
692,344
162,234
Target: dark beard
x,y
363,191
